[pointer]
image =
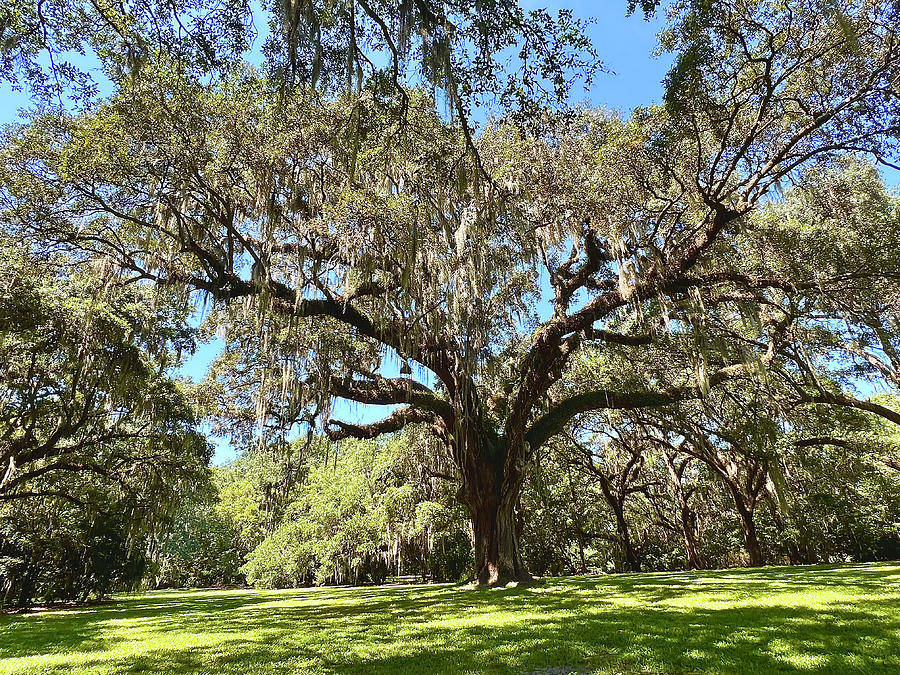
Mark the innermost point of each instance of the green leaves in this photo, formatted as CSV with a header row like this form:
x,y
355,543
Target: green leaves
x,y
369,512
84,391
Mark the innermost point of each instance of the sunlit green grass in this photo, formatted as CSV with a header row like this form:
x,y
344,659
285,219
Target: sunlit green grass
x,y
825,619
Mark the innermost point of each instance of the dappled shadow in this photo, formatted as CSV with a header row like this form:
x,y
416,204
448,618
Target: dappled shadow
x,y
81,627
825,619
747,582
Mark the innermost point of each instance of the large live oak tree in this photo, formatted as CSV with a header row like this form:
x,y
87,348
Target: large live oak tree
x,y
350,233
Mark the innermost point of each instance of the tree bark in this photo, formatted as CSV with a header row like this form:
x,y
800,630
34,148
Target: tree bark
x,y
754,550
744,501
695,561
751,541
616,501
492,493
686,515
498,560
632,560
581,559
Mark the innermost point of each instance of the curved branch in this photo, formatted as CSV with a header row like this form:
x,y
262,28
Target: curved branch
x,y
391,391
849,402
396,421
42,494
556,419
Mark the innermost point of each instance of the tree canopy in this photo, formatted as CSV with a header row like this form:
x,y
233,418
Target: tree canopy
x,y
96,441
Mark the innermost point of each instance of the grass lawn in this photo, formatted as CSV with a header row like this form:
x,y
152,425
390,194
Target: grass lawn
x,y
824,618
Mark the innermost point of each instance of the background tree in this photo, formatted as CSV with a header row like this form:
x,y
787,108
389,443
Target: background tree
x,y
201,547
96,441
367,511
84,389
615,461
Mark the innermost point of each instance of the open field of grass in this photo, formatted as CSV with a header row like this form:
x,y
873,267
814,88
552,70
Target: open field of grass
x,y
830,619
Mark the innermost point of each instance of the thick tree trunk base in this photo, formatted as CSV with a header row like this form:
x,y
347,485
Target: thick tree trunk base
x,y
524,581
489,577
498,561
509,585
491,490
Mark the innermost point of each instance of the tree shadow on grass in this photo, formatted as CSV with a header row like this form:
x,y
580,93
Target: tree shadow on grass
x,y
608,624
748,582
82,628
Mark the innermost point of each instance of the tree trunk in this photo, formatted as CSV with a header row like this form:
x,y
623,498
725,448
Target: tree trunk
x,y
492,492
753,548
686,514
751,542
744,505
497,557
632,560
616,501
581,560
26,592
695,561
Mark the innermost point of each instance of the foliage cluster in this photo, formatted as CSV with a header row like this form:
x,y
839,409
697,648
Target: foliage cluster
x,y
97,442
311,513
